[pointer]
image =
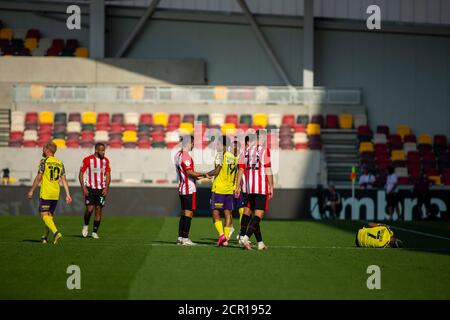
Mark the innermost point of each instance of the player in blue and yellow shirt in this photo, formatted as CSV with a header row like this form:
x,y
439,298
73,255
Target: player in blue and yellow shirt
x,y
51,172
377,236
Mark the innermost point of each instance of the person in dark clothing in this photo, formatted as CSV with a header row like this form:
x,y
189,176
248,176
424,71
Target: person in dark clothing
x,y
422,193
334,203
5,176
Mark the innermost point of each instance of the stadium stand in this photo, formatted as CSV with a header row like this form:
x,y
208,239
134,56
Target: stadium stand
x,y
411,156
19,42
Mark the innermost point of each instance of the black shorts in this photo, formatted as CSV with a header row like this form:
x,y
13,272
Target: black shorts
x,y
258,202
188,201
391,199
95,198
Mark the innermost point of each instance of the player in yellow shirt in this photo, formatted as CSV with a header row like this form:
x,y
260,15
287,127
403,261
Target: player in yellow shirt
x,y
222,191
377,236
51,172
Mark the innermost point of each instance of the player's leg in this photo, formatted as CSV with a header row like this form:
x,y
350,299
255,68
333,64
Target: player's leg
x,y
97,220
228,225
188,206
87,217
245,218
259,203
46,209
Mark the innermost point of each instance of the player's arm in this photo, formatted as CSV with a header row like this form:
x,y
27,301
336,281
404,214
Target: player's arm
x,y
215,172
83,168
269,175
36,182
196,175
66,187
268,171
107,179
237,191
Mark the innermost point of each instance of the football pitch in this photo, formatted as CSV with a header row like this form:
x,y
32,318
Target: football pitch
x,y
136,258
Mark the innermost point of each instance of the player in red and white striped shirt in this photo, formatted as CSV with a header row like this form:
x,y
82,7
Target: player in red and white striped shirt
x,y
94,177
259,178
187,176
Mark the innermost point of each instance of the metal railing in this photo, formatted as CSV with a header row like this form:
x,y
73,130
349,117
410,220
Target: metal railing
x,y
185,94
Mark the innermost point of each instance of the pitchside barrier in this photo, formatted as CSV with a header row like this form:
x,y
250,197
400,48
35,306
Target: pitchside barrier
x,y
287,203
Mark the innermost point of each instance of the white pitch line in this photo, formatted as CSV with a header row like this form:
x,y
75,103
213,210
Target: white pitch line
x,y
100,244
418,232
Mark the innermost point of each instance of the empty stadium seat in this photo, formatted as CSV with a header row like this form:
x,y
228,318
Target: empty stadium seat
x,y
289,119
332,121
82,52
146,118
6,33
383,130
160,118
300,139
395,142
360,119
217,119
30,135
132,118
366,147
364,133
101,136
380,138
46,117
31,43
186,128
409,146
317,119
313,129
89,117
398,155
425,139
74,117
260,119
228,128
74,126
409,138
203,118
275,119
33,33
303,119
346,121
403,130
60,143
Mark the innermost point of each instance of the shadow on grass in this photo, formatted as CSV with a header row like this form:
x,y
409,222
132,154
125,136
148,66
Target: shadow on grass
x,y
206,243
32,240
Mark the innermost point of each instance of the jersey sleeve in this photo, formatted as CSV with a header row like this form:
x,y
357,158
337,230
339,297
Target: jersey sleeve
x,y
41,168
267,160
84,165
186,162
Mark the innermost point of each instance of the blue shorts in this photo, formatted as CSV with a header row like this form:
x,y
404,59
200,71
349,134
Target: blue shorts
x,y
221,201
47,205
240,202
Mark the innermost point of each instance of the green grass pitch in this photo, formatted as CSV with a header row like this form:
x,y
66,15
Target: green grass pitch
x,y
136,258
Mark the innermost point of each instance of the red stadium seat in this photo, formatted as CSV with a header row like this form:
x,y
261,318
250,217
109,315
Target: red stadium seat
x,y
395,142
332,121
72,143
75,117
190,118
299,128
146,118
117,118
33,33
232,118
175,119
29,144
410,138
289,119
144,144
103,118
